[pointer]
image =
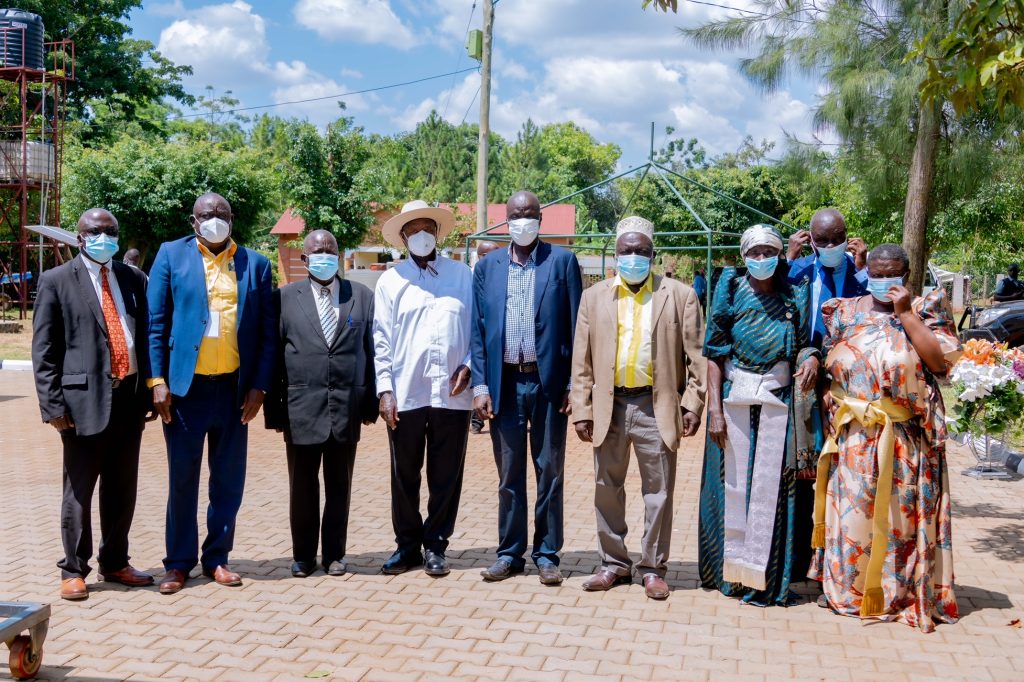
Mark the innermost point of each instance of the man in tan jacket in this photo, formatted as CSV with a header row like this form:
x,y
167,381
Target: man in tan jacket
x,y
642,386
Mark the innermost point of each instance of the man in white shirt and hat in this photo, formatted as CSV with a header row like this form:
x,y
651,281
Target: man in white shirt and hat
x,y
421,335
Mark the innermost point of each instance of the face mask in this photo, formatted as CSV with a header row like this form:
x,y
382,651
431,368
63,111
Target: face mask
x,y
524,231
633,269
214,230
762,269
322,266
879,287
421,244
832,256
100,248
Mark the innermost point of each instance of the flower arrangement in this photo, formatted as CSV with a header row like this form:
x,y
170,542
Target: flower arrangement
x,y
989,382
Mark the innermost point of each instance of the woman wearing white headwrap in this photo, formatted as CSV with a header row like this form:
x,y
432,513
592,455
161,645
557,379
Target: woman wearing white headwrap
x,y
758,346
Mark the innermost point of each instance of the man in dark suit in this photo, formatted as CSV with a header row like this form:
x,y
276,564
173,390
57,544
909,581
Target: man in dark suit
x,y
525,300
831,269
90,358
324,390
212,344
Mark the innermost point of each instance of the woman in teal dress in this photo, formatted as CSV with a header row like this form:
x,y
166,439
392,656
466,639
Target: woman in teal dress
x,y
759,351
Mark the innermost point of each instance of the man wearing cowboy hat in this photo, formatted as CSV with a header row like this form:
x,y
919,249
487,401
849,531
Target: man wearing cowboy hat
x,y
421,335
642,386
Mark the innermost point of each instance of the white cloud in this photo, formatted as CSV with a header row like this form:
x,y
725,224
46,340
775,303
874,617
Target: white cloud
x,y
220,42
364,21
351,73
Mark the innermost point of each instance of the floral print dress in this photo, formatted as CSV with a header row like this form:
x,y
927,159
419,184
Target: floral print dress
x,y
869,355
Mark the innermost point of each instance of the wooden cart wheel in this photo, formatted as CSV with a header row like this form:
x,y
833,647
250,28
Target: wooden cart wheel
x,y
24,662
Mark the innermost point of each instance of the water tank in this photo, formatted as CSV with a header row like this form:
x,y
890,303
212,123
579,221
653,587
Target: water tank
x,y
21,39
39,162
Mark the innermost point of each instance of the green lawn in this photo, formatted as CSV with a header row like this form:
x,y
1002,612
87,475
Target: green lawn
x,y
17,346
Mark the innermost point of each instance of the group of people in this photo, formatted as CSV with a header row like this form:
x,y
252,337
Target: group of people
x,y
825,427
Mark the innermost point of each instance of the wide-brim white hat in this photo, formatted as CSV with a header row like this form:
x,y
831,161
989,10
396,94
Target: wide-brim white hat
x,y
392,229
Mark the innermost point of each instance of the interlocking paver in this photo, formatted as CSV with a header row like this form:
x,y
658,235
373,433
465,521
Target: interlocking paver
x,y
366,626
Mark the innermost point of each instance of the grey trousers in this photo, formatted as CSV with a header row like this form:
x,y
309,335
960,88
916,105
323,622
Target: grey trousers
x,y
633,423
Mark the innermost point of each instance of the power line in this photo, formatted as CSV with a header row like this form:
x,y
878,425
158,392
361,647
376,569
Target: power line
x,y
337,96
458,60
475,95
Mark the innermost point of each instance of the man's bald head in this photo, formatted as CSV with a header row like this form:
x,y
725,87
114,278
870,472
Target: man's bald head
x,y
320,241
828,228
132,257
485,247
209,201
523,205
97,217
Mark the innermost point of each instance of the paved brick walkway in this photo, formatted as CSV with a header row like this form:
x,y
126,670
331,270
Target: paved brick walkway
x,y
373,627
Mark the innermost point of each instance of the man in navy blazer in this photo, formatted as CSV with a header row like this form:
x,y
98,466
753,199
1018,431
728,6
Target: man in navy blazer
x,y
212,338
525,300
832,271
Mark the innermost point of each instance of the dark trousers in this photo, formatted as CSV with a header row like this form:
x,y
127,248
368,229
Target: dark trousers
x,y
112,458
523,407
209,413
442,435
304,498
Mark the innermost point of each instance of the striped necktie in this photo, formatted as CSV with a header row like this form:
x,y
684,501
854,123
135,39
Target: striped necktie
x,y
328,321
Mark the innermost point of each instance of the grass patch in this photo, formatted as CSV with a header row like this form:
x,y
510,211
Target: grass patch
x,y
17,346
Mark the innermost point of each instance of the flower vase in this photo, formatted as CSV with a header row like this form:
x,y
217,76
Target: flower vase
x,y
990,466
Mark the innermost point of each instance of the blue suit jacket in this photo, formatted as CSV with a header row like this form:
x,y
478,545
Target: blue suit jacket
x,y
557,292
854,285
178,309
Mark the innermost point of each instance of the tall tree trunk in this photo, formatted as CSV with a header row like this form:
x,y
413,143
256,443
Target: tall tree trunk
x,y
919,192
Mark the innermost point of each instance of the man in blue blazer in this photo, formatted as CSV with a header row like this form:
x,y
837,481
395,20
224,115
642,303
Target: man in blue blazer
x,y
832,271
212,336
525,300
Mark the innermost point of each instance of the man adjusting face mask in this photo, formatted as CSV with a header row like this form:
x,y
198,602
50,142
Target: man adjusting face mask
x,y
832,256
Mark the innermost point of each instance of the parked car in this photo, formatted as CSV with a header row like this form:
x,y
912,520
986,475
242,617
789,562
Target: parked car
x,y
1002,323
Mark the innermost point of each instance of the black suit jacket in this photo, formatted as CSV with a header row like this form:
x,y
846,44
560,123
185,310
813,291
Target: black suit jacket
x,y
70,351
323,387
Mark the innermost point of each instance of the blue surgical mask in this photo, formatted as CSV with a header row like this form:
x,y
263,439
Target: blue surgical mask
x,y
101,248
832,256
762,269
879,287
633,269
323,266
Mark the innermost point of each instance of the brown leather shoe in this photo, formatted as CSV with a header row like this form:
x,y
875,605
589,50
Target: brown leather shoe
x,y
74,589
173,581
655,586
128,576
605,579
223,575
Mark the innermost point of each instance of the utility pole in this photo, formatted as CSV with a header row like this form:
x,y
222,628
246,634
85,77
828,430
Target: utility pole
x,y
485,112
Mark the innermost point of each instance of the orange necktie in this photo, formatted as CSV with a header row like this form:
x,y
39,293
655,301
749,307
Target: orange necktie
x,y
119,362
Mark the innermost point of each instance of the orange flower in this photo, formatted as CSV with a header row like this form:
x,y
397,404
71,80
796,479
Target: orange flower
x,y
980,352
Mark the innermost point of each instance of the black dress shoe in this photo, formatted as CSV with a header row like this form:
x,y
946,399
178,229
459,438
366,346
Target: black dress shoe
x,y
303,569
549,574
400,562
435,564
502,569
336,568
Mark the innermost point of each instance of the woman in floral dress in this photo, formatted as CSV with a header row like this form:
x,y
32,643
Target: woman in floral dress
x,y
884,352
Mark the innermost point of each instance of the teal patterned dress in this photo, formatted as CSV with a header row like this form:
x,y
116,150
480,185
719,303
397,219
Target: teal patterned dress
x,y
754,331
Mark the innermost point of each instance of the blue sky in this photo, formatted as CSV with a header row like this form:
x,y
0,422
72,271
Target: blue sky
x,y
605,64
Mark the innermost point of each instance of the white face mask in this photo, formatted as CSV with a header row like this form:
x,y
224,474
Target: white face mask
x,y
524,231
214,230
421,244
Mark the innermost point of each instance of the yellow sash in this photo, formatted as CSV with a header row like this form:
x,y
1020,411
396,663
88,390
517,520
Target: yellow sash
x,y
884,413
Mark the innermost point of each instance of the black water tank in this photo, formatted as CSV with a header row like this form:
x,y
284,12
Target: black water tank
x,y
21,39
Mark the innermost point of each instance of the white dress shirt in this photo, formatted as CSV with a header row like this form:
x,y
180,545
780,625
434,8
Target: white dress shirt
x,y
421,333
93,268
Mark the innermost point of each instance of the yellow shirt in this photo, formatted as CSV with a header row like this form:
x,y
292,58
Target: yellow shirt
x,y
218,351
633,362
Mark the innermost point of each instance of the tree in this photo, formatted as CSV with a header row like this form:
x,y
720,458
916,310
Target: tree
x,y
122,72
150,185
981,57
871,99
324,188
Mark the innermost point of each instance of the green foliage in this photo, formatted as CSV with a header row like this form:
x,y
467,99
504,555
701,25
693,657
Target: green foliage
x,y
151,185
980,59
324,186
123,72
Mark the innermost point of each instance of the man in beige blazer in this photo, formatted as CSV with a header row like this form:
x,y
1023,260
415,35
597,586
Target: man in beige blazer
x,y
637,379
